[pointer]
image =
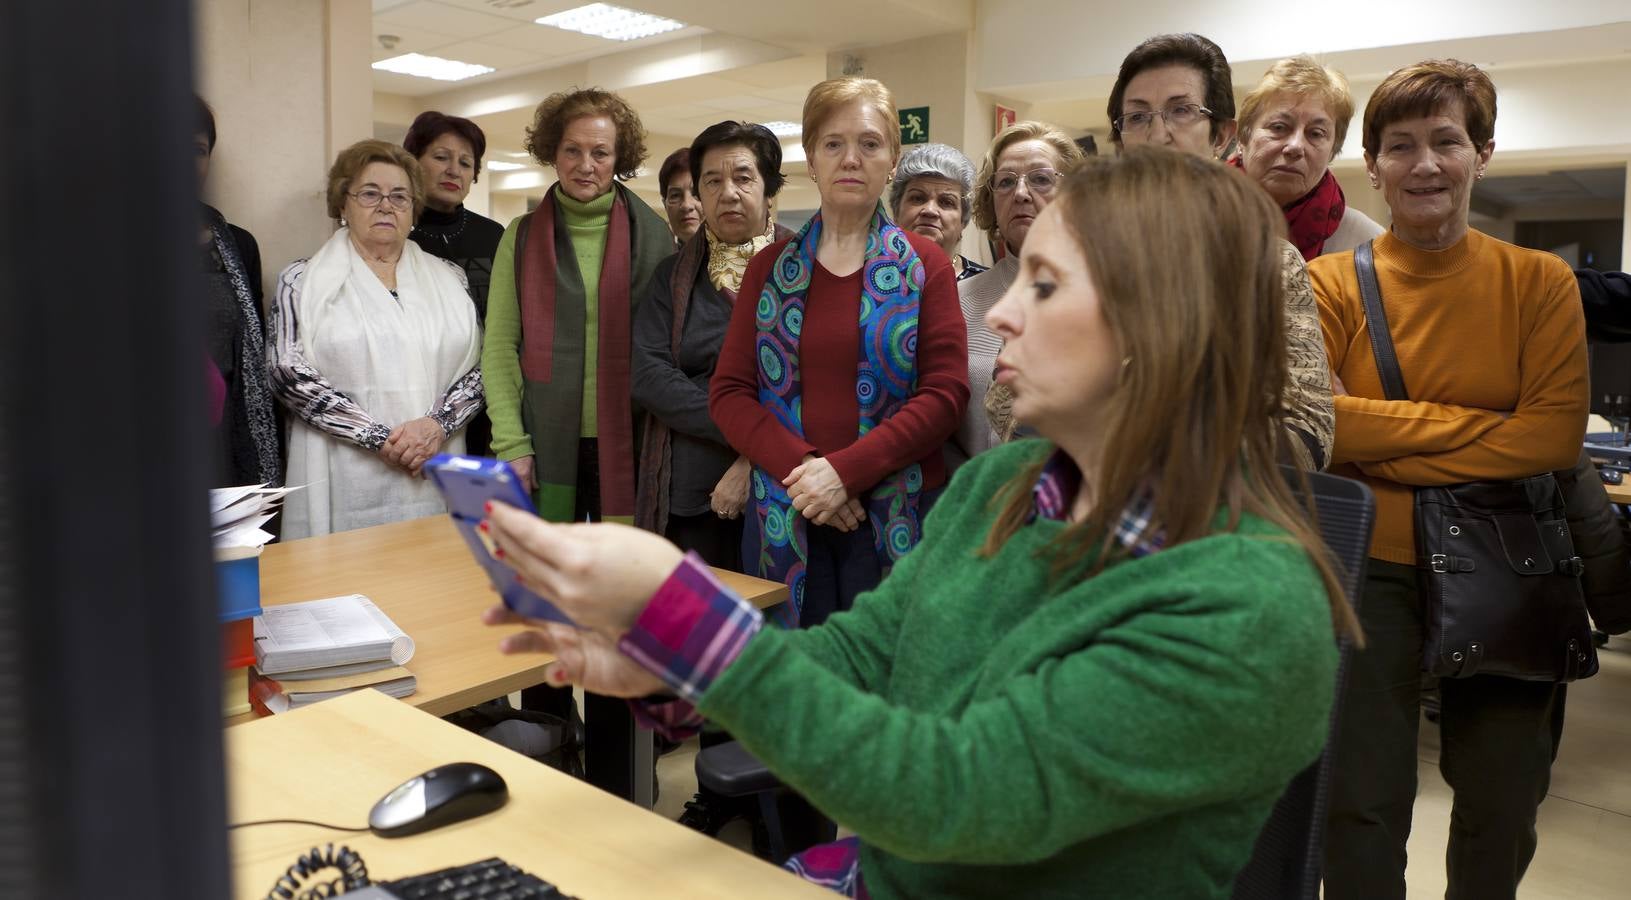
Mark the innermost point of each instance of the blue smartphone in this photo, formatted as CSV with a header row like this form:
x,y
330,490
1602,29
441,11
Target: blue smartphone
x,y
469,483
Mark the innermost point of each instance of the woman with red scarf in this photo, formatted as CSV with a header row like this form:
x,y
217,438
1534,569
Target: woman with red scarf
x,y
1291,125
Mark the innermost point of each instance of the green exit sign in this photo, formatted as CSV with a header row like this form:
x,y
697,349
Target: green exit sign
x,y
914,125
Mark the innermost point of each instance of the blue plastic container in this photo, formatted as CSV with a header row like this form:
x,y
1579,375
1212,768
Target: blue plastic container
x,y
238,588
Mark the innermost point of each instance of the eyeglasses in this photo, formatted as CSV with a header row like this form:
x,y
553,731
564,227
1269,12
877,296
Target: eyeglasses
x,y
370,198
1037,181
1180,116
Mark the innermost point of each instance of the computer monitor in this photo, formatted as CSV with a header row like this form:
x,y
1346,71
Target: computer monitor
x,y
1611,381
111,748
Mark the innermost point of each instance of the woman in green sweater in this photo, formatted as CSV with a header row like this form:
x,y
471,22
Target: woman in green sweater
x,y
1113,647
560,308
565,281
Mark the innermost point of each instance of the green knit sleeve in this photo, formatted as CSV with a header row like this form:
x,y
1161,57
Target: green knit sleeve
x,y
501,354
1215,692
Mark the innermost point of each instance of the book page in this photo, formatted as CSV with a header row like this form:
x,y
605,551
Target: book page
x,y
322,624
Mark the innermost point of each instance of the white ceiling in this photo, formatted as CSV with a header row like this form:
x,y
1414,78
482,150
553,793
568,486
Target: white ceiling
x,y
1080,103
503,35
500,34
1557,188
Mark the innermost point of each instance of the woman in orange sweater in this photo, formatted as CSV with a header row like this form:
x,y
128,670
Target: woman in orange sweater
x,y
1491,343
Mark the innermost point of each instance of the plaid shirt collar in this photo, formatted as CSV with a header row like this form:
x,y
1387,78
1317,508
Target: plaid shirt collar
x,y
1056,490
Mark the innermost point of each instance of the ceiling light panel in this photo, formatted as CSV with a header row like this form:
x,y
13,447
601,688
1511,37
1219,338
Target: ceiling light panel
x,y
497,165
421,66
783,129
611,22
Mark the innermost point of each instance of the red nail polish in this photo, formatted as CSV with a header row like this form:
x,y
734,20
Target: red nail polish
x,y
498,552
487,507
519,579
482,526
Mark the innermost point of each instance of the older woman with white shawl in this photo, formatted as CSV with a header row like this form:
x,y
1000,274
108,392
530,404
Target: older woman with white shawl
x,y
375,349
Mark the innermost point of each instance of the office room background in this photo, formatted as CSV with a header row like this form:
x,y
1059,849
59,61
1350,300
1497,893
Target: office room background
x,y
294,82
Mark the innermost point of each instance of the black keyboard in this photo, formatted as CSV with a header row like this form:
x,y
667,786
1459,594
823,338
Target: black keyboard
x,y
490,879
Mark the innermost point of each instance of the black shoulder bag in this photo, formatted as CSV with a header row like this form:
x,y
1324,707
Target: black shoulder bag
x,y
1497,567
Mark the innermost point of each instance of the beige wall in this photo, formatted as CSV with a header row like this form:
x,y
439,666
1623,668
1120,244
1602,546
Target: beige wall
x,y
934,72
290,84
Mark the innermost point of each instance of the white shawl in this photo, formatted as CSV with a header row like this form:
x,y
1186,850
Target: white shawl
x,y
396,359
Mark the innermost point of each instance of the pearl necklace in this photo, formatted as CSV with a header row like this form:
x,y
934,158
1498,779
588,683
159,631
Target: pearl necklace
x,y
446,236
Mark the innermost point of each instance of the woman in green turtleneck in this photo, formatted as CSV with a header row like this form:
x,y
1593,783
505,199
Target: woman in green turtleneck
x,y
565,281
559,311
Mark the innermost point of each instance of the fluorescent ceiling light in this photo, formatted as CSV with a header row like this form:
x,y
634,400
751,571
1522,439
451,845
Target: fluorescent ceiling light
x,y
496,165
783,129
421,66
610,22
512,155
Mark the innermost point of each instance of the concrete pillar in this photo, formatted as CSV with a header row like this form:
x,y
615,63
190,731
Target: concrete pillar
x,y
1625,224
290,83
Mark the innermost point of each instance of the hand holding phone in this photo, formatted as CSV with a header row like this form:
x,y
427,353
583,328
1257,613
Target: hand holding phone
x,y
469,483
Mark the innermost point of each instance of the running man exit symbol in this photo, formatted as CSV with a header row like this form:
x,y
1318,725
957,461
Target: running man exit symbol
x,y
914,125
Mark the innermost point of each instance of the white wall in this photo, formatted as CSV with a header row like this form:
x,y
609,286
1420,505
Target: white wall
x,y
1037,41
290,84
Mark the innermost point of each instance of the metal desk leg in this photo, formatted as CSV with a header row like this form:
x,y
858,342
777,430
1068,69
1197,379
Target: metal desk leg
x,y
618,755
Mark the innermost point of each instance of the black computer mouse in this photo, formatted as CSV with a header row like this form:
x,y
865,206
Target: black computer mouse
x,y
442,796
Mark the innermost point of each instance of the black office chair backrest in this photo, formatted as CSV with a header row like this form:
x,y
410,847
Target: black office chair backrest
x,y
1287,860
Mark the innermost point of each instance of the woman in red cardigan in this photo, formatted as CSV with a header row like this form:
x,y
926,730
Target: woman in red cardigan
x,y
847,372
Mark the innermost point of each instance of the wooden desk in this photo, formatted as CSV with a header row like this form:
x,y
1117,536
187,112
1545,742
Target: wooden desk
x,y
422,575
1618,493
331,762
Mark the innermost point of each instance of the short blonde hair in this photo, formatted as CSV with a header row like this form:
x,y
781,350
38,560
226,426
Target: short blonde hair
x,y
352,160
985,202
1303,77
827,97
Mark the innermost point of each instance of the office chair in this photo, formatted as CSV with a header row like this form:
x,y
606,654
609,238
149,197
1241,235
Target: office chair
x,y
1287,860
1289,856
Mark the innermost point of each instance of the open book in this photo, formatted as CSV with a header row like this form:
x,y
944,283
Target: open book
x,y
337,631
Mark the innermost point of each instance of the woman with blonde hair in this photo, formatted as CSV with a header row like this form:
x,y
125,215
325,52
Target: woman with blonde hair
x,y
1134,600
1017,179
1291,126
843,376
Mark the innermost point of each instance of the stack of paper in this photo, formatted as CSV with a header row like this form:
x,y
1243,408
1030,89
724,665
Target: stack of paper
x,y
305,652
238,516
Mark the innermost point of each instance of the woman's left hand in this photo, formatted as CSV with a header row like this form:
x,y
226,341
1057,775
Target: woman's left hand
x,y
413,443
601,575
815,488
586,658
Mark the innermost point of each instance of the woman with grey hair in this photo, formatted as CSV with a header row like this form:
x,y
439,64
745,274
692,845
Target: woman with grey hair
x,y
930,196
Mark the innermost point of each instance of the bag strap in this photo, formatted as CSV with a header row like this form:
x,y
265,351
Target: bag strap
x,y
1381,341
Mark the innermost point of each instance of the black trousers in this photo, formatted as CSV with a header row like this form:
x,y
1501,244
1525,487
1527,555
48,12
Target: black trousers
x,y
1499,737
608,726
718,541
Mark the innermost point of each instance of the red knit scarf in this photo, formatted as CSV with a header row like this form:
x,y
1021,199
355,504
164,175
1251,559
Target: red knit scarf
x,y
1313,217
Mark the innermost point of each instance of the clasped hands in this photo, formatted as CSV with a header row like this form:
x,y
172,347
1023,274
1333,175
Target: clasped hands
x,y
819,495
412,444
